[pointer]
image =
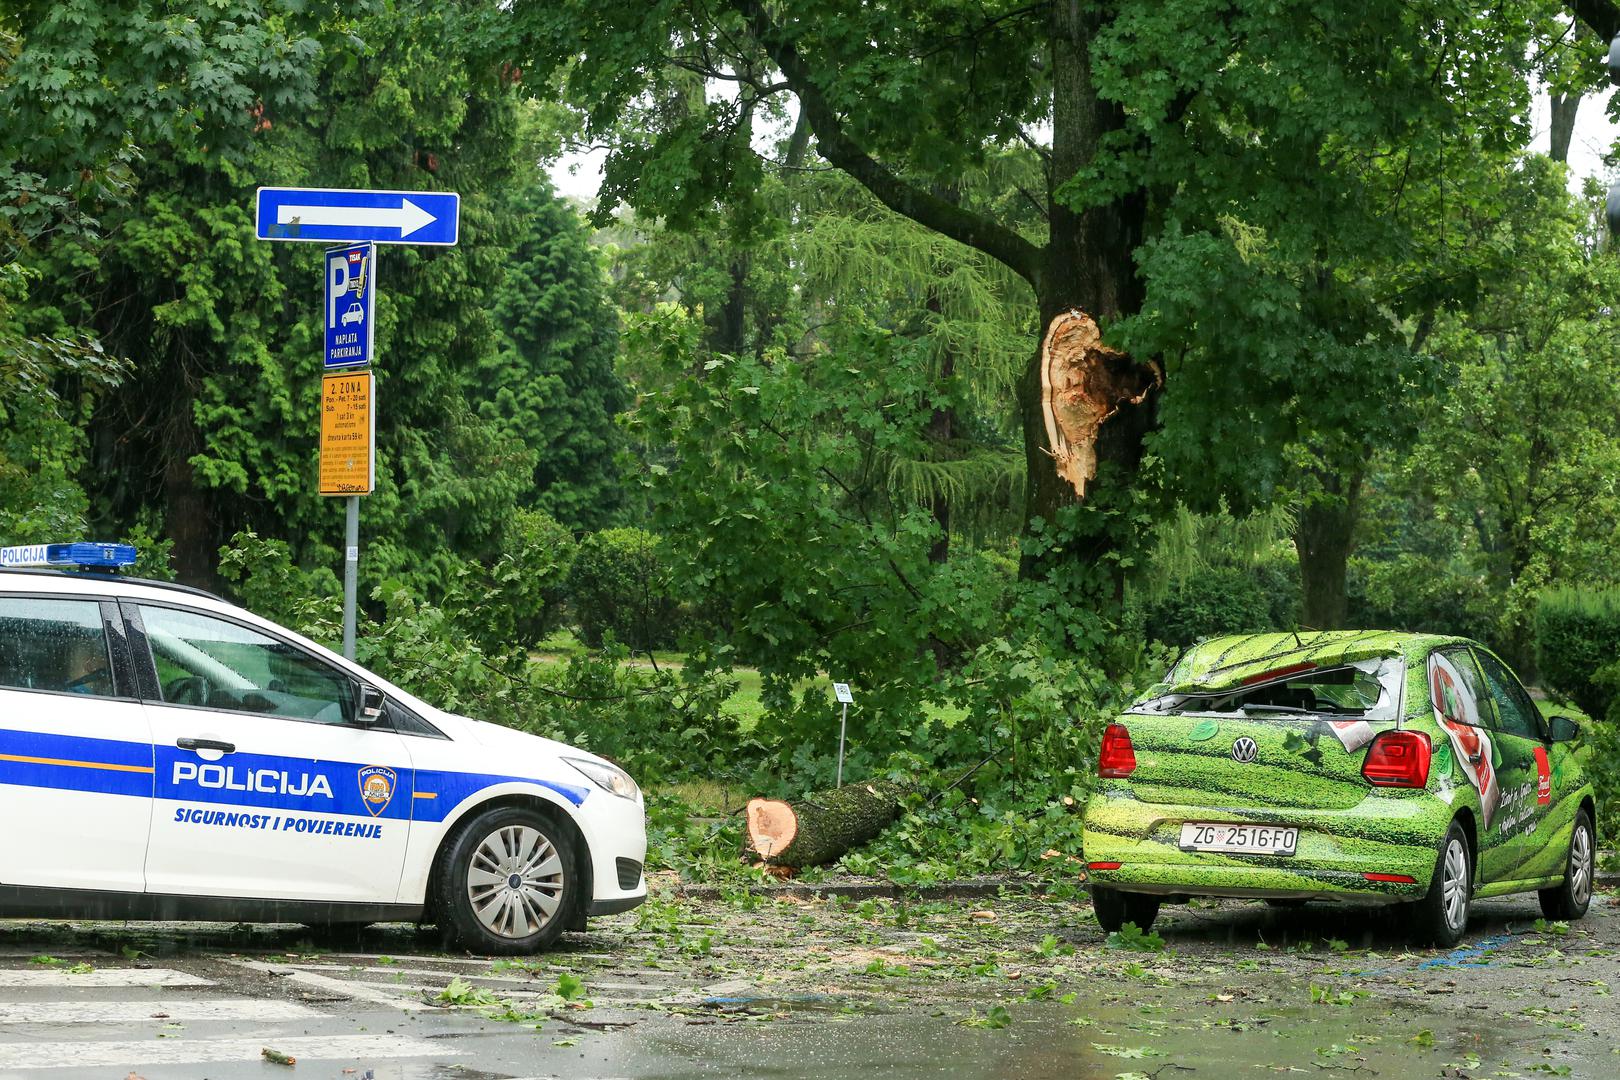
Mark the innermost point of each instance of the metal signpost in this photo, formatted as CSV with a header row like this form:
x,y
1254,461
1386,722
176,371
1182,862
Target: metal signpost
x,y
359,220
841,692
348,467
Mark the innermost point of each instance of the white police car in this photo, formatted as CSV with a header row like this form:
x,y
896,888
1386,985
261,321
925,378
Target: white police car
x,y
167,755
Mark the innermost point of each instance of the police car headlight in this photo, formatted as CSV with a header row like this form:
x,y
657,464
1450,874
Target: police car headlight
x,y
613,780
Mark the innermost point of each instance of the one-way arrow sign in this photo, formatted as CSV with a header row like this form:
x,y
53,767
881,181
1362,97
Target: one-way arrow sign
x,y
327,215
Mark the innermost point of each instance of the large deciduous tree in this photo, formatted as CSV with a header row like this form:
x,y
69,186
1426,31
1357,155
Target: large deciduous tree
x,y
1154,123
1521,450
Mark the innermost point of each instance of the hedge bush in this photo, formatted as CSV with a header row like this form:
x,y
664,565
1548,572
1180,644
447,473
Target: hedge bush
x,y
620,583
1221,600
1420,595
1577,637
528,585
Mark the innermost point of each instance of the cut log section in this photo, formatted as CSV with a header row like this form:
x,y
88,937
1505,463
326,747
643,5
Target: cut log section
x,y
823,826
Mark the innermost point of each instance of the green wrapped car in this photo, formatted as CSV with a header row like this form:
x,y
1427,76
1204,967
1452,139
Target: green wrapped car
x,y
1374,767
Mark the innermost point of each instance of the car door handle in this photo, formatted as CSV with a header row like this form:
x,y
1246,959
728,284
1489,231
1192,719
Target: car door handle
x,y
206,744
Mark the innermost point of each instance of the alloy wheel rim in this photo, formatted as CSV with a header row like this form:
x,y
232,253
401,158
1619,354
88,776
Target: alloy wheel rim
x,y
1454,884
515,881
1580,865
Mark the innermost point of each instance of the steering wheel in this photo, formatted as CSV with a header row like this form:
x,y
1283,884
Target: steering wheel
x,y
91,682
186,690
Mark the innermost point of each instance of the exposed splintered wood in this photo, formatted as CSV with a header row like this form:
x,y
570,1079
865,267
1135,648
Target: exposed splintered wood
x,y
822,827
1083,383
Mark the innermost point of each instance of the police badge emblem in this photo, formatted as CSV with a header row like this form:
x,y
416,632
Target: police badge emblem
x,y
376,788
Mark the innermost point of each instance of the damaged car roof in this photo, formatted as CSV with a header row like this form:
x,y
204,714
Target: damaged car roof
x,y
1223,662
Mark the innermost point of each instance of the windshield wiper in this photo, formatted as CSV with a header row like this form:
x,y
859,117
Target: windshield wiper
x,y
1295,710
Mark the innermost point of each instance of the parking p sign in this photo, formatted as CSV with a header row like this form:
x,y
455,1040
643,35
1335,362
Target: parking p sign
x,y
351,305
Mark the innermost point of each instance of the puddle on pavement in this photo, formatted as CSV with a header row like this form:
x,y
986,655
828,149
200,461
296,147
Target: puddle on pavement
x,y
1045,1041
1042,1042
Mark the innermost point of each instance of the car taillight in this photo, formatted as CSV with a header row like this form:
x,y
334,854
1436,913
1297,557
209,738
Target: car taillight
x,y
1118,756
1398,759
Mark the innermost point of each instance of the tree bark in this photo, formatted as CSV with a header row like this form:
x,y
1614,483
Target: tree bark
x,y
941,430
189,519
824,826
1086,266
728,323
1564,107
1324,539
1603,16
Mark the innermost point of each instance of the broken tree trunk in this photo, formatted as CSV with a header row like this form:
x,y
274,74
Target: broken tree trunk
x,y
823,826
1083,384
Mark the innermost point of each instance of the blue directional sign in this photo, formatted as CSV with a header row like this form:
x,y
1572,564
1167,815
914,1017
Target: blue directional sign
x,y
351,305
342,216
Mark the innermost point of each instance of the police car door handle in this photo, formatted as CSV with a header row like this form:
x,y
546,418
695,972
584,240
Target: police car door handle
x,y
206,744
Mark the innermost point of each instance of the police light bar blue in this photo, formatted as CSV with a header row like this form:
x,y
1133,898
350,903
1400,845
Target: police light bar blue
x,y
79,554
351,216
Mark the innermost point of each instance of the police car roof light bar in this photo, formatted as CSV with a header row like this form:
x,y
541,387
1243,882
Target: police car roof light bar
x,y
68,555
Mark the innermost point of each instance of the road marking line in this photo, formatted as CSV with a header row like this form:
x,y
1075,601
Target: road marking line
x,y
538,985
53,978
420,958
147,1052
526,996
155,1009
358,991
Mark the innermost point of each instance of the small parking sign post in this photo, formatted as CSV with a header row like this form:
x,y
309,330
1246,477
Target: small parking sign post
x,y
845,699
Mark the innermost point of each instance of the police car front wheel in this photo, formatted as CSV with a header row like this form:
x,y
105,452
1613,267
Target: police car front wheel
x,y
506,882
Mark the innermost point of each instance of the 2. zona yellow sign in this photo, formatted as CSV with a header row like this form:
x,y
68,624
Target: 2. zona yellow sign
x,y
348,433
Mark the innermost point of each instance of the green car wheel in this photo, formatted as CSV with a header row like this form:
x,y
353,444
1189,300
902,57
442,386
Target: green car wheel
x,y
1442,915
1114,908
1571,899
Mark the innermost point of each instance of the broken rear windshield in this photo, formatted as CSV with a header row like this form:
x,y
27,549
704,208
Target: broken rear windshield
x,y
1370,690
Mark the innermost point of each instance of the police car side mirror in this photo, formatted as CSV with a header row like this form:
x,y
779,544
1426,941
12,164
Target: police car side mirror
x,y
1563,729
371,704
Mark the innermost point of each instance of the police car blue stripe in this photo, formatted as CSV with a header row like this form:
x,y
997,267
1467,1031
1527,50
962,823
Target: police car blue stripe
x,y
450,788
272,782
75,763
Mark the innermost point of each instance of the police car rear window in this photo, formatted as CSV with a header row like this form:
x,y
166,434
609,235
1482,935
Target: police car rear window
x,y
55,645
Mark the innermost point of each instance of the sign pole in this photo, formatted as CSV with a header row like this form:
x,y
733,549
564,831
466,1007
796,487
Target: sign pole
x,y
843,725
842,692
351,572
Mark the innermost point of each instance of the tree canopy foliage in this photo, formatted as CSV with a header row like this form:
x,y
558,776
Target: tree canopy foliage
x,y
785,395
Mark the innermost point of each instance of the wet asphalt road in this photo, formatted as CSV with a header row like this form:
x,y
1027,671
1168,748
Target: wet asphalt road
x,y
1008,987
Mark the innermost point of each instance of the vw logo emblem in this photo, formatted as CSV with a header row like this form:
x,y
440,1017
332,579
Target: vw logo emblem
x,y
1245,750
